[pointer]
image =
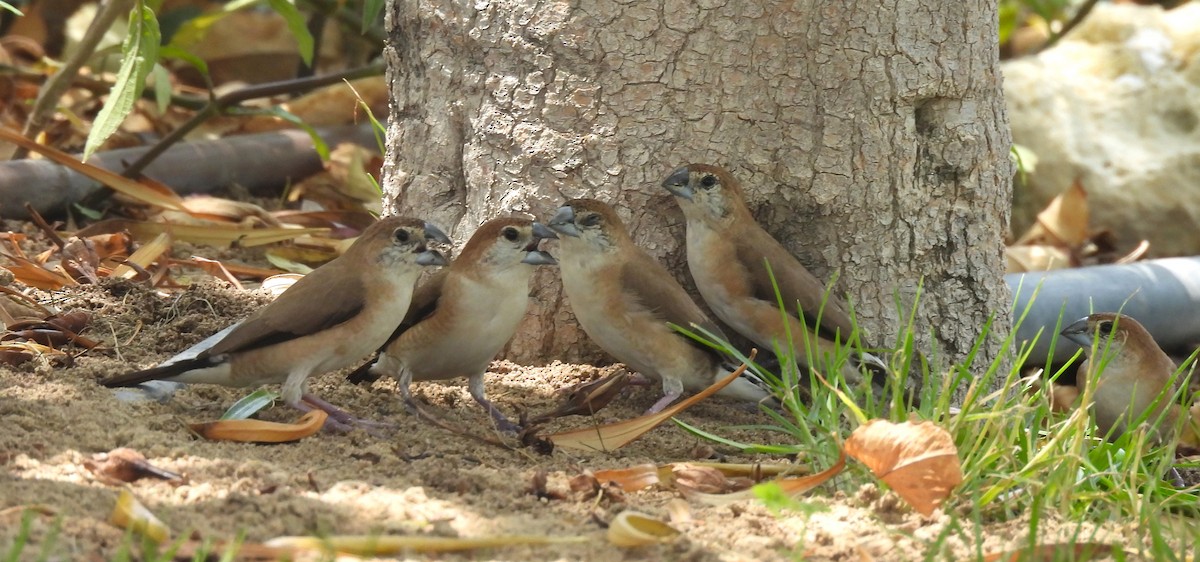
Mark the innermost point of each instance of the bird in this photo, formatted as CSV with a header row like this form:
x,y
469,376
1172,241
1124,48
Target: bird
x,y
624,300
330,318
1134,380
462,315
728,254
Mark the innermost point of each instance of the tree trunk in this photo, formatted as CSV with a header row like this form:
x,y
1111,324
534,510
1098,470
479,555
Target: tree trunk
x,y
872,139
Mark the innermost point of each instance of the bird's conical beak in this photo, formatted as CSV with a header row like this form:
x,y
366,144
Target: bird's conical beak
x,y
564,222
677,183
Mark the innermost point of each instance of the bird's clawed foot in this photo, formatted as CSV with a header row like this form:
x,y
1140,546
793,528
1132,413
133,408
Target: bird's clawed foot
x,y
341,421
663,402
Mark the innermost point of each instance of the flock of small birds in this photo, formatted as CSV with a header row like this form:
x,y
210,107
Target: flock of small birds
x,y
367,302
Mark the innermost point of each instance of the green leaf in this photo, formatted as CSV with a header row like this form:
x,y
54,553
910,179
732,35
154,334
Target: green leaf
x,y
162,87
298,27
371,11
13,9
139,54
88,212
252,403
319,143
378,128
743,447
173,51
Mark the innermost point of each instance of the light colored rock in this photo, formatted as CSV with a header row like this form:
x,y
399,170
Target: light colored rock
x,y
1116,104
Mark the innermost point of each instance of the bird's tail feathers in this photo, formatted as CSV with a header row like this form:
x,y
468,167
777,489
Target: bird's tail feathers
x,y
161,372
364,374
748,387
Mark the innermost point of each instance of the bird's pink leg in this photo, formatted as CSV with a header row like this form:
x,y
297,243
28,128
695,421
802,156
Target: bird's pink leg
x,y
339,419
475,387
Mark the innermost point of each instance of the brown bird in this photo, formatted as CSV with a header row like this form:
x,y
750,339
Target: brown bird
x,y
329,319
728,253
1134,383
461,317
624,299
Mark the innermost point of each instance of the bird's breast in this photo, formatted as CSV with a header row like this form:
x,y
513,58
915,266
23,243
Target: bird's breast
x,y
462,338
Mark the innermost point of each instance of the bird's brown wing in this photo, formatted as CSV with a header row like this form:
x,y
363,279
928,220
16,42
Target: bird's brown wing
x,y
755,248
424,303
657,290
313,304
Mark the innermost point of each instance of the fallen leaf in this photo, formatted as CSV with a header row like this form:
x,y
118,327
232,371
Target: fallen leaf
x,y
387,545
631,529
1077,552
215,234
692,479
130,514
633,478
793,487
588,398
218,270
258,431
1063,223
1023,259
36,276
126,465
614,436
144,256
917,460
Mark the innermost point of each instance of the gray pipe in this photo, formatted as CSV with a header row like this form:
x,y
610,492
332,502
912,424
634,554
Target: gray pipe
x,y
1163,295
258,162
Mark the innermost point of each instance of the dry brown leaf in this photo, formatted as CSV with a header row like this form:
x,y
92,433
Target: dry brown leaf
x,y
793,487
1063,397
212,234
37,276
337,104
144,256
258,431
631,529
1189,437
130,514
917,460
588,398
691,479
342,223
390,545
755,471
126,465
218,270
614,436
1078,552
1036,258
228,210
633,478
349,181
1063,223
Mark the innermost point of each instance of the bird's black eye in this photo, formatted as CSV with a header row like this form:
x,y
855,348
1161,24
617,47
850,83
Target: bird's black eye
x,y
400,235
708,181
511,234
590,220
1104,327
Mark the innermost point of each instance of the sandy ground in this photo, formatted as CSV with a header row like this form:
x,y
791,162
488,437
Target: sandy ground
x,y
413,479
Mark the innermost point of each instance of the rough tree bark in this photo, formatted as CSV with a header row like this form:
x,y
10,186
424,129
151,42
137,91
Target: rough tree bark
x,y
872,138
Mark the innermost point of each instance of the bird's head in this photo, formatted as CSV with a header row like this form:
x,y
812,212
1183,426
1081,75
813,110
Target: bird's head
x,y
502,243
706,192
590,222
396,241
1109,328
